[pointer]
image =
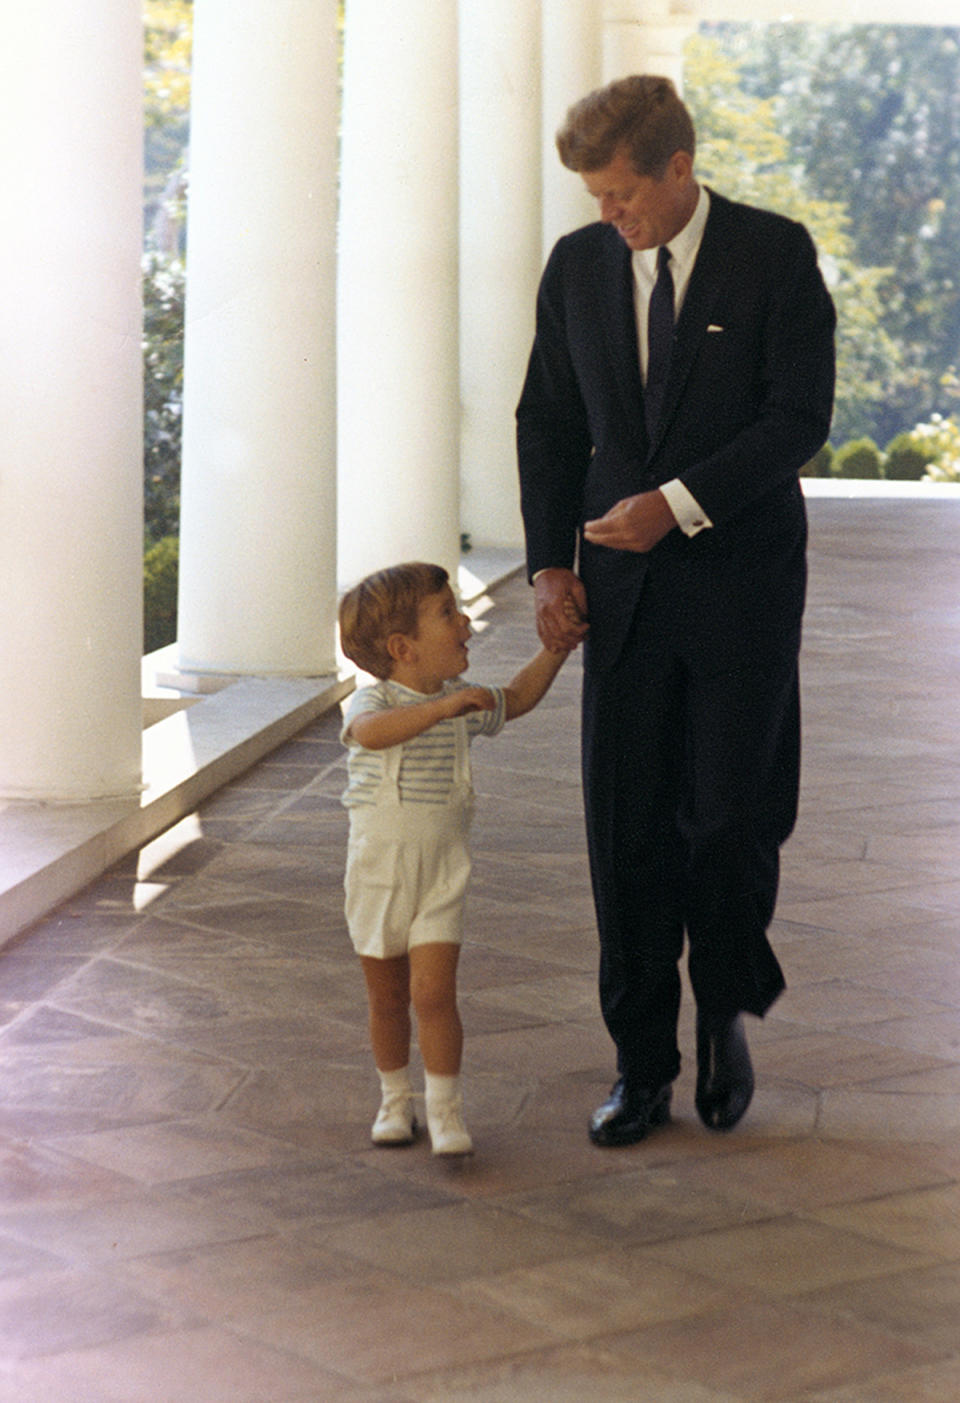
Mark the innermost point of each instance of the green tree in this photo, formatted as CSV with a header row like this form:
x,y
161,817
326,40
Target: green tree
x,y
168,31
871,115
164,286
743,152
168,43
168,40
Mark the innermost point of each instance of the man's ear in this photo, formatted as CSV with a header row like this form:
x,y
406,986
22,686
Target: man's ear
x,y
401,647
681,165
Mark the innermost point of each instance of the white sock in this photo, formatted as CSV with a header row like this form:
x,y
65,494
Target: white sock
x,y
398,1081
441,1089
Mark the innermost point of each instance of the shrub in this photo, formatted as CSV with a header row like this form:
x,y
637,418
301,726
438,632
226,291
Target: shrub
x,y
859,458
160,573
904,459
821,464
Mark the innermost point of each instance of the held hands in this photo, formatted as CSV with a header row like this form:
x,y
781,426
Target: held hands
x,y
561,604
635,523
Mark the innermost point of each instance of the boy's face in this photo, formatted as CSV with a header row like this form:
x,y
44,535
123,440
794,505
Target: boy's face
x,y
442,634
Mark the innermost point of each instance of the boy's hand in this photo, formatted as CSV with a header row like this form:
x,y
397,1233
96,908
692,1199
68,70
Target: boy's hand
x,y
376,730
471,699
571,612
561,605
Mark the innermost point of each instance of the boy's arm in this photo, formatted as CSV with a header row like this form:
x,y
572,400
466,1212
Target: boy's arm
x,y
378,730
532,682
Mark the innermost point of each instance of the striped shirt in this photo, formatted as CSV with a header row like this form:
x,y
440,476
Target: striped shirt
x,y
427,765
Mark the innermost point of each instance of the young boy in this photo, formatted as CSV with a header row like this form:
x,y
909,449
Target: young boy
x,y
410,799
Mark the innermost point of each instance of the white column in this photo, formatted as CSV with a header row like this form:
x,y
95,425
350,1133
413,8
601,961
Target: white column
x,y
258,499
71,438
646,36
500,249
572,67
397,329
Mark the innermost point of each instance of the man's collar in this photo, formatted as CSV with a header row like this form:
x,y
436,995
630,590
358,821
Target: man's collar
x,y
683,246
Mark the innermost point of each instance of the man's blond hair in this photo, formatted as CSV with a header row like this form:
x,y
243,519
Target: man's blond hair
x,y
641,115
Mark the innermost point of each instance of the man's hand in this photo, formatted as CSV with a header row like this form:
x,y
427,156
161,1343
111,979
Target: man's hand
x,y
635,523
561,603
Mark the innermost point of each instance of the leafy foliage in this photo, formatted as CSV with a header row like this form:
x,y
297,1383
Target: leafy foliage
x,y
939,442
742,151
160,570
168,35
164,287
168,43
870,119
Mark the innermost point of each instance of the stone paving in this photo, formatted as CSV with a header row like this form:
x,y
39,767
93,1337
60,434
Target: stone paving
x,y
190,1207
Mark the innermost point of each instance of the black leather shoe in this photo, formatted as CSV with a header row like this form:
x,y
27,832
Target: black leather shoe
x,y
724,1073
629,1114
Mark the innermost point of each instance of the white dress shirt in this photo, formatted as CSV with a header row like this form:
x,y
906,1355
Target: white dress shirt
x,y
684,248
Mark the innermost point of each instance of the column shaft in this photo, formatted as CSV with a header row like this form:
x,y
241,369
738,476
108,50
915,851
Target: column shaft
x,y
500,249
572,47
646,37
398,414
71,461
258,514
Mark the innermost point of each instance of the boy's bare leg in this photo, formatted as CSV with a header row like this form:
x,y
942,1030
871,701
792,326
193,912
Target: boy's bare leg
x,y
388,997
433,989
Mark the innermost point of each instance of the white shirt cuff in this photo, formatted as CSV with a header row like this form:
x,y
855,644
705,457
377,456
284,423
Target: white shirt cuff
x,y
690,516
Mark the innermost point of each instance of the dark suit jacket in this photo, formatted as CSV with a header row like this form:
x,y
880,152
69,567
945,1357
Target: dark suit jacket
x,y
747,404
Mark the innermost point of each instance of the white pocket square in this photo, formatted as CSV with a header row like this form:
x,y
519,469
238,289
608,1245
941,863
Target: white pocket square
x,y
714,328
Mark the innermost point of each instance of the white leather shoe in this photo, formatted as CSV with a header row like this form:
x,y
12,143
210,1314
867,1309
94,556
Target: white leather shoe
x,y
448,1134
395,1123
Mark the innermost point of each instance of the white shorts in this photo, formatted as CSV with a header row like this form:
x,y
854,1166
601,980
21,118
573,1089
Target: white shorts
x,y
407,872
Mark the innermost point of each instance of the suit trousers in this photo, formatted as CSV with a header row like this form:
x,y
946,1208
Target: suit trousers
x,y
691,758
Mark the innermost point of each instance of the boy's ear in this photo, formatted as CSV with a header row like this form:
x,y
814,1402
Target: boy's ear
x,y
400,646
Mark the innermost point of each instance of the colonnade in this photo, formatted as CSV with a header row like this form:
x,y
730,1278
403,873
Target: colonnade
x,y
390,337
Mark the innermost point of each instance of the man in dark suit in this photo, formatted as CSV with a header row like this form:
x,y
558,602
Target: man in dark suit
x,y
664,418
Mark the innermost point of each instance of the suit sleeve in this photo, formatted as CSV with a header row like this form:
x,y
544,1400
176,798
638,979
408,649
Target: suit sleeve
x,y
553,436
788,407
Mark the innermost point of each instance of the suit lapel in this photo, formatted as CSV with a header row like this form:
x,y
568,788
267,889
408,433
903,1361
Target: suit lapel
x,y
619,325
615,289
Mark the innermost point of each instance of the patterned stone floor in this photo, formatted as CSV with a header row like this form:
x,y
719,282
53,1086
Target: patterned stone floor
x,y
191,1211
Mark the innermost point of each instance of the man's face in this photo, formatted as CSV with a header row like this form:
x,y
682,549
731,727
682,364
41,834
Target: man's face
x,y
645,212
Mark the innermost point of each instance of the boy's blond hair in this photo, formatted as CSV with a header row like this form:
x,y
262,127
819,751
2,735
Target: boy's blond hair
x,y
384,603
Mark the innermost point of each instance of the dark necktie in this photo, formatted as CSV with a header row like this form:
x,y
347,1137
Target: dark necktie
x,y
659,339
